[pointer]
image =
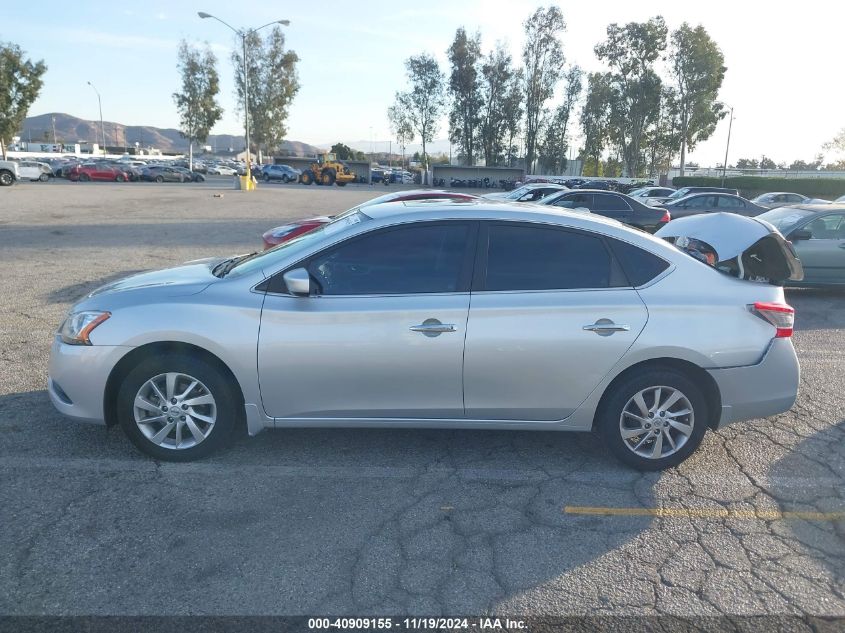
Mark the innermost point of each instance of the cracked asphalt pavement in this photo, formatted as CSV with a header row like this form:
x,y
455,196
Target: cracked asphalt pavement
x,y
378,521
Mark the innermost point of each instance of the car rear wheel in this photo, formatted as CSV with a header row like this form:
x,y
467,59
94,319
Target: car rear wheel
x,y
175,407
654,419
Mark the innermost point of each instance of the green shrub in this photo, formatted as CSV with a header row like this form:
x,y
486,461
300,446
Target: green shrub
x,y
752,186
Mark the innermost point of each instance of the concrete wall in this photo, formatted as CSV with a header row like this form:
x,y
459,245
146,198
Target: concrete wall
x,y
479,173
360,167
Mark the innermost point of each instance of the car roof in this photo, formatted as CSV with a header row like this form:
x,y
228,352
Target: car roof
x,y
484,209
475,209
604,191
835,207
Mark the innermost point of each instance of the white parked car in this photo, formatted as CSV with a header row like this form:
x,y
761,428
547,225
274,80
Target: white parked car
x,y
221,170
33,170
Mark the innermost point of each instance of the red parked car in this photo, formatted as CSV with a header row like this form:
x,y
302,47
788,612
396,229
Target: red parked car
x,y
97,171
286,232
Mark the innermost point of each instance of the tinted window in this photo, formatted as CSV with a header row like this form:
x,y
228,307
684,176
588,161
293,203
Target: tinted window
x,y
414,259
639,266
609,202
829,227
524,257
575,201
699,202
729,202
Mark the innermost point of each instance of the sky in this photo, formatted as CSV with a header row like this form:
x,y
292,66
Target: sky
x,y
784,60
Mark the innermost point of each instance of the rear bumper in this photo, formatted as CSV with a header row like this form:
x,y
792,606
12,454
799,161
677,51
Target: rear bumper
x,y
758,391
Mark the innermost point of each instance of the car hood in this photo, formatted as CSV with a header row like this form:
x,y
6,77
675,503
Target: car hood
x,y
189,278
757,247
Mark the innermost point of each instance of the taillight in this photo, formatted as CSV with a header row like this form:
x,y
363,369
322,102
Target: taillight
x,y
666,217
780,315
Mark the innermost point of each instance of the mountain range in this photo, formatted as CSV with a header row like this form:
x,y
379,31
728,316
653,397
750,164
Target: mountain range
x,y
70,129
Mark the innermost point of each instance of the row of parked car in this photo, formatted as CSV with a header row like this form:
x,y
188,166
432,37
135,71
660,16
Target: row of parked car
x,y
123,170
815,228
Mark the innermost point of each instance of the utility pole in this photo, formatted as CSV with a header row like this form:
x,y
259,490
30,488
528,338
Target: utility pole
x,y
243,33
102,127
727,146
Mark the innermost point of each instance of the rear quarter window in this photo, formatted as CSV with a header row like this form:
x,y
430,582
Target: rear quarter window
x,y
639,266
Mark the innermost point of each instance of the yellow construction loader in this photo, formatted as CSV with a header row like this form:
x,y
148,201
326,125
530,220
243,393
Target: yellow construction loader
x,y
327,171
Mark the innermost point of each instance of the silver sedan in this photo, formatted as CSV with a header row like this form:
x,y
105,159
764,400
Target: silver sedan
x,y
446,315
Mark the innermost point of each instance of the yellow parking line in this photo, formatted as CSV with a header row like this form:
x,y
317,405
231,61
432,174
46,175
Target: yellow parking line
x,y
705,513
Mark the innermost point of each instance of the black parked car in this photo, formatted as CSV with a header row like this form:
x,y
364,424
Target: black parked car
x,y
712,203
191,176
162,173
683,192
612,205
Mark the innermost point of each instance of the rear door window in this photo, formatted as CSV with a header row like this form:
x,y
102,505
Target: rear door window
x,y
575,201
639,265
529,257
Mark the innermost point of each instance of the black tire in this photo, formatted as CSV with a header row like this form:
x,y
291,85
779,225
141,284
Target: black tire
x,y
307,177
225,395
84,177
328,177
285,179
44,178
119,178
266,177
159,179
341,184
609,416
6,178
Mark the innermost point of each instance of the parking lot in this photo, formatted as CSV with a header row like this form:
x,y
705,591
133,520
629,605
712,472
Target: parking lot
x,y
382,521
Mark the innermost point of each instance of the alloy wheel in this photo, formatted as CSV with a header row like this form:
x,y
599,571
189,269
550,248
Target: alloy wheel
x,y
656,422
175,411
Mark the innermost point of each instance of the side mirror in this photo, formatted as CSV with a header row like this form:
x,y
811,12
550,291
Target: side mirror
x,y
298,282
802,234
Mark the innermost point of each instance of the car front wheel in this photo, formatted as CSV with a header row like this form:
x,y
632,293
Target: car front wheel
x,y
175,407
654,419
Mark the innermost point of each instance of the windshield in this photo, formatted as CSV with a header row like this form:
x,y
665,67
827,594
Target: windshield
x,y
680,193
785,219
267,259
516,193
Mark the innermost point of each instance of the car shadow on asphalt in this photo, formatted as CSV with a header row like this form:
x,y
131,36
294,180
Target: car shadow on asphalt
x,y
389,521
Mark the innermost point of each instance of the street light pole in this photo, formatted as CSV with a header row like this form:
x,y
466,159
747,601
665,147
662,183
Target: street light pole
x,y
727,146
243,33
102,127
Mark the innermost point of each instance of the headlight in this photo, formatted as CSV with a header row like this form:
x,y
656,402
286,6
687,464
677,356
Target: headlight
x,y
79,325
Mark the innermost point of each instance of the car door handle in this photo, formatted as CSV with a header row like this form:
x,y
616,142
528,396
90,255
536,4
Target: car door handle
x,y
606,327
433,327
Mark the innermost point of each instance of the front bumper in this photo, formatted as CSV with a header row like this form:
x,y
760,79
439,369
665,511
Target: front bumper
x,y
761,390
77,378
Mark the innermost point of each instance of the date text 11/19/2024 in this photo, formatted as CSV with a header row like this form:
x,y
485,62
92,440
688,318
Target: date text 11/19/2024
x,y
413,624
